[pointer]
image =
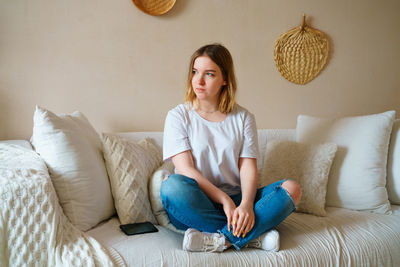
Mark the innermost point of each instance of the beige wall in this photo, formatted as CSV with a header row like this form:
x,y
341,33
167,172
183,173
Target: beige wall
x,y
125,69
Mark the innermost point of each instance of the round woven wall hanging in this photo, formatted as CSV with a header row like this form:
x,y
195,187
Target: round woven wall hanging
x,y
301,53
154,7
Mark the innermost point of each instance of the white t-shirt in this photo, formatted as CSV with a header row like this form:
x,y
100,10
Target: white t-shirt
x,y
216,146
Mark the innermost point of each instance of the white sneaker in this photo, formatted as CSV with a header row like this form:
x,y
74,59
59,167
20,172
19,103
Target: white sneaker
x,y
268,241
196,241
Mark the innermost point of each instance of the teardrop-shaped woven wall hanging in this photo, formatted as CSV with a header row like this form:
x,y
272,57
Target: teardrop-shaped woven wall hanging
x,y
301,53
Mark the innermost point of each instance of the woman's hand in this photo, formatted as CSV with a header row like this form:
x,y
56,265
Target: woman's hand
x,y
229,209
243,219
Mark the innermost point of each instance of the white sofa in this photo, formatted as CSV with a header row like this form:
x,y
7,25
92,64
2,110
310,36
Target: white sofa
x,y
343,237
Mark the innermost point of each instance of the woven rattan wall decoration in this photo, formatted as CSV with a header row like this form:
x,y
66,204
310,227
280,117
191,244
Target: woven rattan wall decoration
x,y
154,7
301,53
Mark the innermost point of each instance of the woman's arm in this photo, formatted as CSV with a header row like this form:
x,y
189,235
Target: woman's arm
x,y
243,216
184,164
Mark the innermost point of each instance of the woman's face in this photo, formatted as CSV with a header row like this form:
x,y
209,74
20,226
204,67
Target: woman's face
x,y
207,79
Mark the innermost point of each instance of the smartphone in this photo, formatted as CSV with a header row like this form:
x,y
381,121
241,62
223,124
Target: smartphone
x,y
138,228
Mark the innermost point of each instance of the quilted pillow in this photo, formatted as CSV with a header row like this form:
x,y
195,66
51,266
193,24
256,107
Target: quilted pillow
x,y
129,166
307,164
72,150
155,197
358,176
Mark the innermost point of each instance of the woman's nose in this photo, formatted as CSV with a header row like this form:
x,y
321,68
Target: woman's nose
x,y
200,80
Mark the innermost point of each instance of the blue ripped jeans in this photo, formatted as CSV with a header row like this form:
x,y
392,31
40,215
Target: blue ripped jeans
x,y
188,207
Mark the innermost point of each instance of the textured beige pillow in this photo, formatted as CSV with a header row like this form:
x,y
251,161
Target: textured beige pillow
x,y
129,166
307,164
155,197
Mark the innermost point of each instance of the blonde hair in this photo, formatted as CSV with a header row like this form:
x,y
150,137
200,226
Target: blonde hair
x,y
222,57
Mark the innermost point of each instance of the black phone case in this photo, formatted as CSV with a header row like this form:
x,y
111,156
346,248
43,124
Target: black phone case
x,y
138,228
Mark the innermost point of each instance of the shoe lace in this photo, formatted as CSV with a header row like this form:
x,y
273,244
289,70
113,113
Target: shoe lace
x,y
213,243
255,243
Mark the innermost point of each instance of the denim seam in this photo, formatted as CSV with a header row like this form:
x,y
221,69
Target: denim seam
x,y
269,197
290,197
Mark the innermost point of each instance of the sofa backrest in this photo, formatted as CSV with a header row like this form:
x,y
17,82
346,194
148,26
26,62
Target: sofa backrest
x,y
264,135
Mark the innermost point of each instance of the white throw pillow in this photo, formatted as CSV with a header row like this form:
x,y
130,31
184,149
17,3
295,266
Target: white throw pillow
x,y
393,174
307,164
72,150
155,198
129,167
357,178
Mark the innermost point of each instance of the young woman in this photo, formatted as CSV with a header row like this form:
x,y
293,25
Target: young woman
x,y
212,142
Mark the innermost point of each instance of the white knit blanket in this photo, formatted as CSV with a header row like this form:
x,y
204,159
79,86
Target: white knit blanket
x,y
33,228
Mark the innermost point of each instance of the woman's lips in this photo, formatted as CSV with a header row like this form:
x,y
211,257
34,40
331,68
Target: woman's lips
x,y
200,90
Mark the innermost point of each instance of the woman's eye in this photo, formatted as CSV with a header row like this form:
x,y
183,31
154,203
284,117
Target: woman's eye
x,y
210,74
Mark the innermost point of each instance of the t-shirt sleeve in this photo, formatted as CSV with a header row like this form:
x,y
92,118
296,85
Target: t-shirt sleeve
x,y
175,138
250,143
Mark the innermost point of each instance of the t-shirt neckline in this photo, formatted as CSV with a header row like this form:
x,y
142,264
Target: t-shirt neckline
x,y
210,122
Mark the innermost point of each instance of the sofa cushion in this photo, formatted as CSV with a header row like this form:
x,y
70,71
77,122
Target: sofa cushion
x,y
358,175
393,166
129,166
307,164
343,238
72,150
155,198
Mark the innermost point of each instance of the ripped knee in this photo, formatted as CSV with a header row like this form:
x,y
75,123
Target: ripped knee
x,y
293,189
